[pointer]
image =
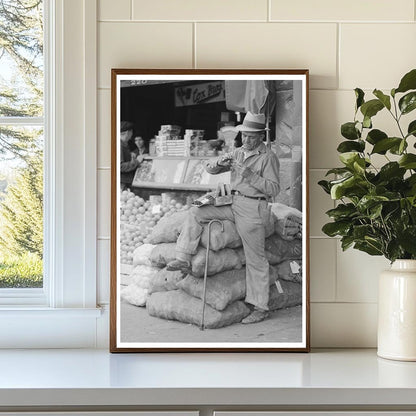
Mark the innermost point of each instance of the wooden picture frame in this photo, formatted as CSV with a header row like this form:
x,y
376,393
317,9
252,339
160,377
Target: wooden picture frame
x,y
187,119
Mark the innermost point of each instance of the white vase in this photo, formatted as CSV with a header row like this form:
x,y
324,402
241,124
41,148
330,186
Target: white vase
x,y
397,312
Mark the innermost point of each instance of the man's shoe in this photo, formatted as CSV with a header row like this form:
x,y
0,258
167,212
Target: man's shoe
x,y
255,316
182,265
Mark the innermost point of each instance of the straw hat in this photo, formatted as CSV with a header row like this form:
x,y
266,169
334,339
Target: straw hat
x,y
253,122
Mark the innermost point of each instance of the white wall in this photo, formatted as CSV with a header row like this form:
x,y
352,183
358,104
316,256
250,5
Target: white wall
x,y
345,44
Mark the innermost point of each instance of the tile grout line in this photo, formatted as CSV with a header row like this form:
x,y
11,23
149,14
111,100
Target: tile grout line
x,y
336,271
338,64
269,11
131,10
307,22
194,63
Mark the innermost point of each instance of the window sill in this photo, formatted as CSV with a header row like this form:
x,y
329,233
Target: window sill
x,y
40,327
35,312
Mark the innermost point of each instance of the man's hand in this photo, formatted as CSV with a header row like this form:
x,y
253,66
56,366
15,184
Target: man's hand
x,y
224,161
140,158
244,171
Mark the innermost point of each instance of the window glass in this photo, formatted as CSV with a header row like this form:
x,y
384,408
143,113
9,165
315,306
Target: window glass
x,y
21,143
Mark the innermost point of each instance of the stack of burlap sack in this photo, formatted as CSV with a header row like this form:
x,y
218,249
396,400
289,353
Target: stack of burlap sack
x,y
175,296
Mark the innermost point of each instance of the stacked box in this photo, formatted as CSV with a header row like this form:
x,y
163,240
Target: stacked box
x,y
166,147
169,143
192,139
170,130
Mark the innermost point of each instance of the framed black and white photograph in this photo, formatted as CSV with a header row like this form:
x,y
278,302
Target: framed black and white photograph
x,y
209,212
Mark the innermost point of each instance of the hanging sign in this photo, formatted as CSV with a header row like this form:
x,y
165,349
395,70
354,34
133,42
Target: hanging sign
x,y
208,92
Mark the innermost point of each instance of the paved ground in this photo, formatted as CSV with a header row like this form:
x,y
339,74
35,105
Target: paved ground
x,y
283,325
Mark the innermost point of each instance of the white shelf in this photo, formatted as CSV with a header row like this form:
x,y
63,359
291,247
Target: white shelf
x,y
39,378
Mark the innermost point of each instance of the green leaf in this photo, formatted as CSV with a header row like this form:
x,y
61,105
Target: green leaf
x,y
393,92
383,145
371,108
398,149
333,229
367,122
407,240
369,201
361,231
408,102
338,171
342,211
349,131
375,212
325,186
359,95
374,136
394,251
350,146
359,166
408,161
348,158
346,242
408,82
411,130
385,99
368,248
349,187
391,170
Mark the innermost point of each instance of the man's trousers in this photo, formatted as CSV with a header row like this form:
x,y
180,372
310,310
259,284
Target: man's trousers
x,y
250,216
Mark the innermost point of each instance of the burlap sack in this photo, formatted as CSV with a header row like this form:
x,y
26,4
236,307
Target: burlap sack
x,y
141,255
288,221
229,238
279,250
290,270
162,254
140,276
135,295
179,306
222,289
164,281
168,229
219,261
285,295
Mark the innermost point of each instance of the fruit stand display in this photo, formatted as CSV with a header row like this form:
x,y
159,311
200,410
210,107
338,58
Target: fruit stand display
x,y
177,173
138,218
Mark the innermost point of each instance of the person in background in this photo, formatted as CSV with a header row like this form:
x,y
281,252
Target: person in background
x,y
138,146
254,182
128,164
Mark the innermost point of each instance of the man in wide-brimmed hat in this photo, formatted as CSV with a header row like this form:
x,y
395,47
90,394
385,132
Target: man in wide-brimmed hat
x,y
254,181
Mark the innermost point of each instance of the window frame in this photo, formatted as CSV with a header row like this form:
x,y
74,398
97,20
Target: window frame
x,y
70,207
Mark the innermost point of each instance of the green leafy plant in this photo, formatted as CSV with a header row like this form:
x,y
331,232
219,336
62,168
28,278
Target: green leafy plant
x,y
376,210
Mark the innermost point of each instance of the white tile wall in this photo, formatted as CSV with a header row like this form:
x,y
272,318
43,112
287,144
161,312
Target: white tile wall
x,y
323,269
200,10
142,45
114,10
341,10
345,44
271,45
338,325
357,275
387,52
